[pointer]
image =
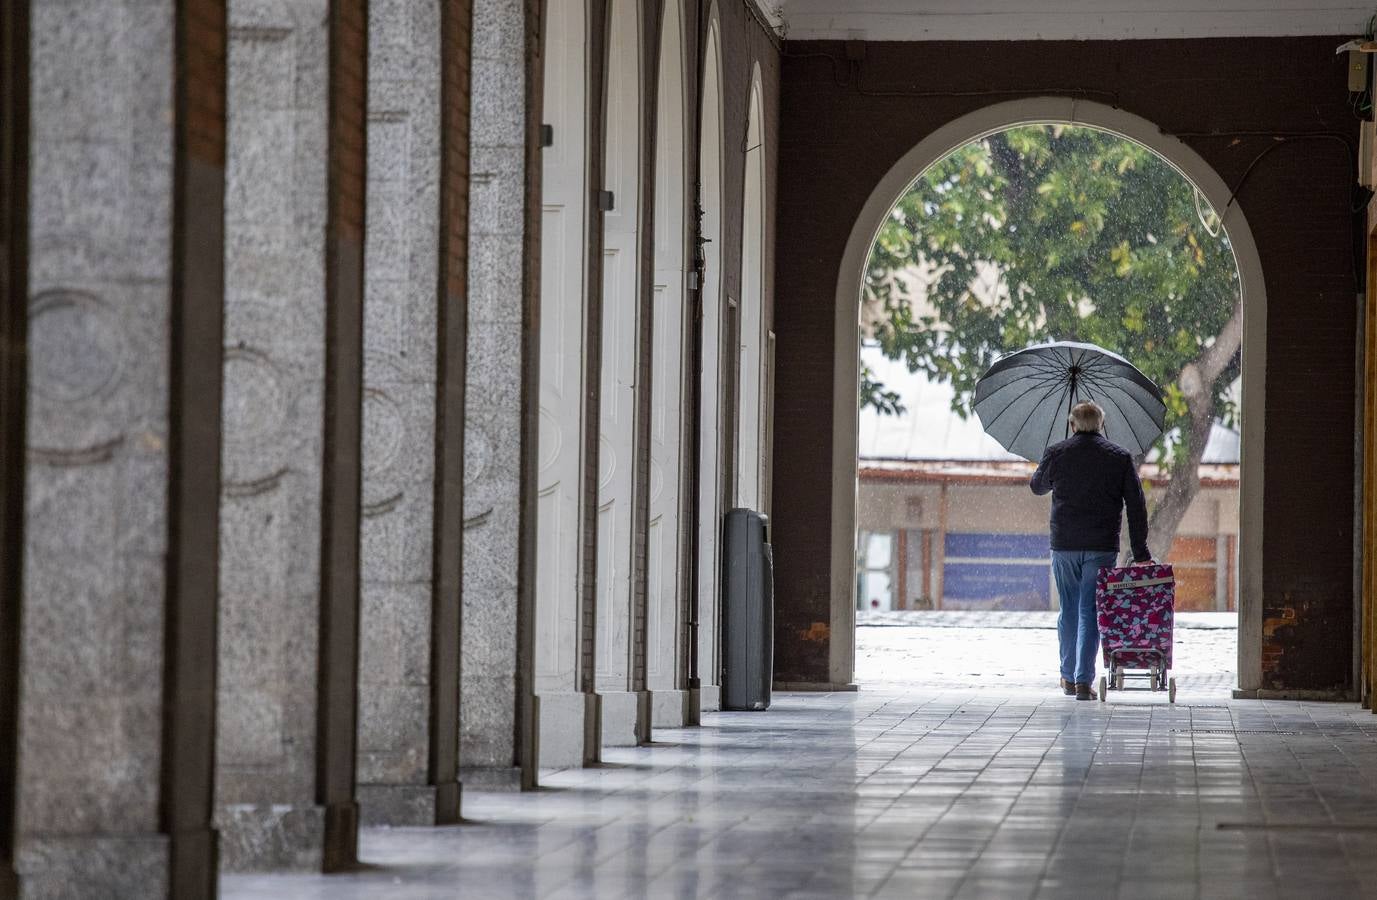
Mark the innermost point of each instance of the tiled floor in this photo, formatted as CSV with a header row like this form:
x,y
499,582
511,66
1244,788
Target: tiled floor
x,y
902,791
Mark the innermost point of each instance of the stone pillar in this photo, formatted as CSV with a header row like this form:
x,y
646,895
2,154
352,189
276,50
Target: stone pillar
x,y
293,379
120,535
499,406
410,597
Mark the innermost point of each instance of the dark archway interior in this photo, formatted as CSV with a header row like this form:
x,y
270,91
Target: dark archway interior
x,y
840,134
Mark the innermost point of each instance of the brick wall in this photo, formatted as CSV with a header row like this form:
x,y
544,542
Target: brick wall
x,y
836,143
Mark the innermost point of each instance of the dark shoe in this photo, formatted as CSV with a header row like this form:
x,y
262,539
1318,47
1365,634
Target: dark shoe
x,y
1083,691
1068,688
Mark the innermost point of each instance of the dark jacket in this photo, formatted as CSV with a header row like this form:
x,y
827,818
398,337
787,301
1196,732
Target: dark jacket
x,y
1092,479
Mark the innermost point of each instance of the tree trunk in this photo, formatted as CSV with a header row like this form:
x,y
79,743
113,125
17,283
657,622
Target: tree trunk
x,y
1197,382
1171,506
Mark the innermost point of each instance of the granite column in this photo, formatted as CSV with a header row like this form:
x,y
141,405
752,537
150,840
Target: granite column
x,y
292,450
501,396
413,412
124,260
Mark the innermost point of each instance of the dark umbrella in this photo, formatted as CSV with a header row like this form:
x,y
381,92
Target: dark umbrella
x,y
1024,398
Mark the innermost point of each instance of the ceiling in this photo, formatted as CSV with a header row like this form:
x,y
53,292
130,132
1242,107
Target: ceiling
x,y
969,20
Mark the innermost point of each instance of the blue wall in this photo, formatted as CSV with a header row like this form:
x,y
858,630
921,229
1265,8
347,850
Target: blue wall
x,y
1004,571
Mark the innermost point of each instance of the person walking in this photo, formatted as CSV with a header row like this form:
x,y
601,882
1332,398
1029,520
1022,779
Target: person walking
x,y
1092,480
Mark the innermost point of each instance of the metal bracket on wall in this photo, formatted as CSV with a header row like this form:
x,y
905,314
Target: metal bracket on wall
x,y
547,135
606,201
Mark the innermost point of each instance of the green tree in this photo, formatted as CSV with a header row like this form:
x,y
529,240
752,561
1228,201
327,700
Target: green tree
x,y
1086,236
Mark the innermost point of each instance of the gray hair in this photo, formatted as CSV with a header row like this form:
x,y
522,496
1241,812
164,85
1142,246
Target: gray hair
x,y
1087,416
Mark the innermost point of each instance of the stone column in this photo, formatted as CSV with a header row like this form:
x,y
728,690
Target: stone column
x,y
497,442
120,535
410,612
293,374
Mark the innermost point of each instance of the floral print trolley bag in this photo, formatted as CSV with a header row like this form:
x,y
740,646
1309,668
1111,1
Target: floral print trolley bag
x,y
1135,606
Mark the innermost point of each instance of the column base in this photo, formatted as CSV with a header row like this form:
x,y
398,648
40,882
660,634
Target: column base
x,y
449,807
710,698
670,709
491,778
194,864
620,718
93,866
271,837
341,851
562,729
397,805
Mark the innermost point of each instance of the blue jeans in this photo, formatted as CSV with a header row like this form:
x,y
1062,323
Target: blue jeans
x,y
1077,632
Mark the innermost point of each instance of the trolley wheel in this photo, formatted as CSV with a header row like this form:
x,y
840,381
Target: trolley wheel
x,y
1171,691
1103,684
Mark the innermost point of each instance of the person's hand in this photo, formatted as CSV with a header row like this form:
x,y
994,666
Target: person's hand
x,y
1146,562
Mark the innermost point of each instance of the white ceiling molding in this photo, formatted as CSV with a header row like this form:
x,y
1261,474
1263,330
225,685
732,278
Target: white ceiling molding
x,y
1011,20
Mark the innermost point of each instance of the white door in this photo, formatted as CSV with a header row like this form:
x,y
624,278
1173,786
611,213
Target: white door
x,y
667,367
617,398
561,352
751,357
710,389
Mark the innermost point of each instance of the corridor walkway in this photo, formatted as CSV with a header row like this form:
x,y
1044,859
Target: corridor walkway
x,y
904,792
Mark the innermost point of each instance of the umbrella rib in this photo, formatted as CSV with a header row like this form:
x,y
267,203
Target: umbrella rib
x,y
1131,373
1106,390
1001,413
1050,428
1034,409
1145,410
1024,382
1042,377
1152,422
1013,377
1037,364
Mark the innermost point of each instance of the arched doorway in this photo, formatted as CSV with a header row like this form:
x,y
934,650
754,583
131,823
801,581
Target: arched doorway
x,y
617,383
666,595
560,493
881,199
751,401
711,405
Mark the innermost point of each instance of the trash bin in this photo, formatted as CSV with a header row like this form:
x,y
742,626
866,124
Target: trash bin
x,y
748,615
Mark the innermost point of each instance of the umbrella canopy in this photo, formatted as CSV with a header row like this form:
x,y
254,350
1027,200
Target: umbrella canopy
x,y
1024,398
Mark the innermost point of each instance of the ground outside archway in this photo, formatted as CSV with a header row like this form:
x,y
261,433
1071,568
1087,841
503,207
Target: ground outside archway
x,y
940,142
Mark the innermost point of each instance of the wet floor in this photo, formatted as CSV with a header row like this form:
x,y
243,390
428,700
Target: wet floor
x,y
973,784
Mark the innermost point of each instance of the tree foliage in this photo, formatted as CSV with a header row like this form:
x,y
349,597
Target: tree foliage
x,y
1059,232
1091,237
